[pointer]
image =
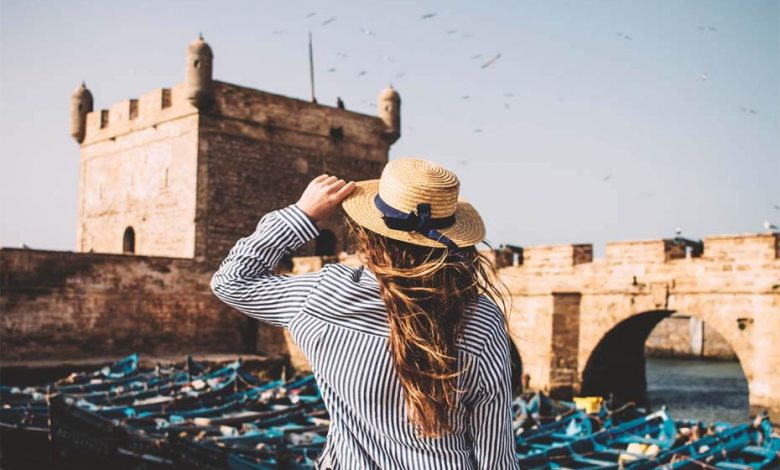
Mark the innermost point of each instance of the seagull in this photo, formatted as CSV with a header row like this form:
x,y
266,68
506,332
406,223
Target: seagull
x,y
509,95
400,75
25,246
465,97
506,105
476,56
491,61
607,177
623,36
277,31
331,70
342,54
777,207
770,227
747,110
678,232
709,29
362,72
704,77
451,31
311,14
478,131
328,21
463,162
428,16
367,32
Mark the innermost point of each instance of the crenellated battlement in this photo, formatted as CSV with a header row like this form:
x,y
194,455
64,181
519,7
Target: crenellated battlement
x,y
752,247
155,107
265,115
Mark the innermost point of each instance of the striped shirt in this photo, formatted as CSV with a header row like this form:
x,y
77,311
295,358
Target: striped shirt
x,y
337,317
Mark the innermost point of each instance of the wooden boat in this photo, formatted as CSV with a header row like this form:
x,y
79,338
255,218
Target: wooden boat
x,y
605,448
745,446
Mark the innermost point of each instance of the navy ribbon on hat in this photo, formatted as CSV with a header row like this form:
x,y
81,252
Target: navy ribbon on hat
x,y
419,221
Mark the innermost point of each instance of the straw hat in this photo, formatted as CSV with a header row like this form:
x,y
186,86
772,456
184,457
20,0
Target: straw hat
x,y
416,201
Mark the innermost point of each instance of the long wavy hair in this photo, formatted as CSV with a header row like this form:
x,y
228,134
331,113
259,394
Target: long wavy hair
x,y
426,292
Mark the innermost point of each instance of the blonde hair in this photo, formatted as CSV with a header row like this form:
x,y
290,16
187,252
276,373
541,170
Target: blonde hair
x,y
426,292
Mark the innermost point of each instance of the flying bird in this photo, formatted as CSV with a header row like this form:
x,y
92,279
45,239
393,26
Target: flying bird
x,y
770,227
400,75
465,97
362,72
509,95
777,207
607,177
506,105
623,36
478,131
311,14
277,31
428,16
476,56
708,29
491,61
463,162
331,70
451,31
747,110
328,21
704,77
367,32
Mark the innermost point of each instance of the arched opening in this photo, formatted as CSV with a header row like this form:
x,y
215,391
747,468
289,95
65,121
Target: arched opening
x,y
128,241
325,243
624,366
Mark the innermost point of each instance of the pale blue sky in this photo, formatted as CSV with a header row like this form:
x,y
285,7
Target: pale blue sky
x,y
603,137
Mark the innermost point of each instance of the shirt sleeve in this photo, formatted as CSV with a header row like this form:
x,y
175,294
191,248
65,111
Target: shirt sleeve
x,y
245,279
491,416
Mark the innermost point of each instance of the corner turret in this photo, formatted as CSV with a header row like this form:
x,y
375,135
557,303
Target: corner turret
x,y
199,73
389,104
80,105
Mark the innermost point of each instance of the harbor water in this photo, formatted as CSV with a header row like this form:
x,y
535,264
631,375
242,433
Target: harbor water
x,y
695,389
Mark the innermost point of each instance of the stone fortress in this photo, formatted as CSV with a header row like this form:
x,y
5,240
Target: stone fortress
x,y
171,180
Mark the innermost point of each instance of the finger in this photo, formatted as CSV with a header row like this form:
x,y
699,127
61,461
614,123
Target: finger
x,y
329,180
346,190
320,178
336,186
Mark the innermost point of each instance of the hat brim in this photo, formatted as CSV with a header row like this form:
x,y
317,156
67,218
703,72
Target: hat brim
x,y
468,229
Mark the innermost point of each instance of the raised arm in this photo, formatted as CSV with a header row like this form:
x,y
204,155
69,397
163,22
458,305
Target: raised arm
x,y
246,280
491,415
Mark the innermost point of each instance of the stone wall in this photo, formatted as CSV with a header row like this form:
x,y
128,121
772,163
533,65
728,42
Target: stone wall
x,y
64,305
684,336
139,169
258,151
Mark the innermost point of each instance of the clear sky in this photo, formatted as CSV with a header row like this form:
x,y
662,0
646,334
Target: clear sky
x,y
600,120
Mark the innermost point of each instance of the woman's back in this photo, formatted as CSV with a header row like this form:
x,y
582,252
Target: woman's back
x,y
343,332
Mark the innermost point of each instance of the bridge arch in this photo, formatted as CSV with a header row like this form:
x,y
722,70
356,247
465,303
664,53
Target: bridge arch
x,y
616,364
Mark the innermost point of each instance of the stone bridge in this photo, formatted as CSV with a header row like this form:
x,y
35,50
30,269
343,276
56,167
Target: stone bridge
x,y
580,324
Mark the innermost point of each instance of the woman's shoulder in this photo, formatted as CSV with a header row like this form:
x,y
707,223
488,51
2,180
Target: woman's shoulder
x,y
484,323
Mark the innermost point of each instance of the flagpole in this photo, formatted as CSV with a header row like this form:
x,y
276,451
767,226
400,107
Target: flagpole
x,y
311,69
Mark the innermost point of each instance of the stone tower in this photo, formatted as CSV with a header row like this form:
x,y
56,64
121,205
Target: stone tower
x,y
199,74
185,172
80,106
